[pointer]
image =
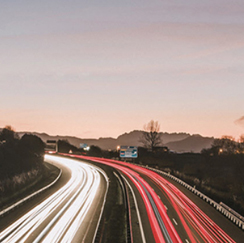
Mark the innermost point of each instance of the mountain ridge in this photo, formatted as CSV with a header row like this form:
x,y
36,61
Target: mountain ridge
x,y
177,142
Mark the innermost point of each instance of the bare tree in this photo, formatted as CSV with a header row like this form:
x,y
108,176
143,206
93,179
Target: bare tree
x,y
150,137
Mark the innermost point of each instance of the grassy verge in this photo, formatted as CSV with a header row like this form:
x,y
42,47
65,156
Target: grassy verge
x,y
18,187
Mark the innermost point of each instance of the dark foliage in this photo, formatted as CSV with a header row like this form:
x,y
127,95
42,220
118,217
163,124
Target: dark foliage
x,y
219,176
32,144
95,151
8,135
65,147
225,146
19,155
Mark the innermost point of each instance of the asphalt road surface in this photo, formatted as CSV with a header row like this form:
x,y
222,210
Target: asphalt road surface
x,y
167,213
69,212
159,209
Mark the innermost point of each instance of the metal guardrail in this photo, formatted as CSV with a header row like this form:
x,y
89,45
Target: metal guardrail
x,y
17,204
227,212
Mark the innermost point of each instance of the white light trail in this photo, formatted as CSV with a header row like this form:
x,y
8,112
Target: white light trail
x,y
63,212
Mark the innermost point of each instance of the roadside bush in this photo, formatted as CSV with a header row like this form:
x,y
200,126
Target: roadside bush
x,y
21,160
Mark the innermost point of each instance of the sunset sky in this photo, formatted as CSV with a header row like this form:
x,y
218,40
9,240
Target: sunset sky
x,y
101,68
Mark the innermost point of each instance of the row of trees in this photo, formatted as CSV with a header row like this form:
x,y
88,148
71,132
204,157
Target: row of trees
x,y
18,155
226,145
65,147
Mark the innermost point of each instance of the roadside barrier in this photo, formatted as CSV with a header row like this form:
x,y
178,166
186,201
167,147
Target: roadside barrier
x,y
17,204
221,207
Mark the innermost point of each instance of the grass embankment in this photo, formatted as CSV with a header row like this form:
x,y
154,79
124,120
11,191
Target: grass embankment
x,y
22,167
20,186
219,177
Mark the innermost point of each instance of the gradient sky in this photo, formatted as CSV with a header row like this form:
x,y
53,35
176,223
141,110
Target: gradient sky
x,y
101,68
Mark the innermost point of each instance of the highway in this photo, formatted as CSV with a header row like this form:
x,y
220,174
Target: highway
x,y
158,210
70,214
180,221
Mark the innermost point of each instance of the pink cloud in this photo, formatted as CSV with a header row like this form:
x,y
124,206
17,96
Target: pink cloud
x,y
240,121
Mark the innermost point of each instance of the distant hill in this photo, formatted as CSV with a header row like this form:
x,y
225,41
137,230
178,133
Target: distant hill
x,y
194,143
177,142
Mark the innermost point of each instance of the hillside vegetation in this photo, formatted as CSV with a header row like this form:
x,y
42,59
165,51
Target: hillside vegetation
x,y
217,171
21,161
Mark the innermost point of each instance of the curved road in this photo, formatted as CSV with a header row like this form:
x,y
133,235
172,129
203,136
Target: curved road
x,y
71,214
180,221
159,210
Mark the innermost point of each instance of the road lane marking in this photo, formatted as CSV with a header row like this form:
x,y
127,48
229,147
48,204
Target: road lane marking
x,y
175,221
137,211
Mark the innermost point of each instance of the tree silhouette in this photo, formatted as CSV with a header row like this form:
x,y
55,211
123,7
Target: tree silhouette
x,y
8,134
150,137
64,146
33,144
19,155
225,146
95,151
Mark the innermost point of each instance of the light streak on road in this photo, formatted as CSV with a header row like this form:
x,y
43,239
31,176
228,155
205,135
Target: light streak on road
x,y
197,225
143,239
162,227
59,217
189,213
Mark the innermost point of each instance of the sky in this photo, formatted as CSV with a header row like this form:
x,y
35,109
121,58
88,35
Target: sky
x,y
102,68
